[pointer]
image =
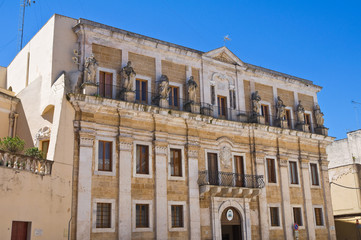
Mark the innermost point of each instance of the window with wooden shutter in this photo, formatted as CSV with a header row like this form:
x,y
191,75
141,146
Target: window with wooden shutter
x,y
105,156
105,84
274,214
142,216
176,162
142,158
318,216
103,215
177,216
141,88
314,174
271,170
265,113
293,172
297,216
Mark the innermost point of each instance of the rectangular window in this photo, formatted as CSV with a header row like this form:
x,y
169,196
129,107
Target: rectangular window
x,y
141,94
176,162
174,97
318,216
213,168
142,215
293,172
45,147
314,174
105,84
239,170
103,215
222,106
308,121
297,216
142,159
275,220
271,170
105,156
177,216
265,113
288,118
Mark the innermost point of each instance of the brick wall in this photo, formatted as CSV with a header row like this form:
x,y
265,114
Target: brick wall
x,y
247,95
144,65
196,77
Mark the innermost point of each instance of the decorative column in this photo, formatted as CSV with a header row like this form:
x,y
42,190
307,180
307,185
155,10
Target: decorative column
x,y
161,203
193,192
125,197
310,223
263,212
285,192
329,220
84,185
247,213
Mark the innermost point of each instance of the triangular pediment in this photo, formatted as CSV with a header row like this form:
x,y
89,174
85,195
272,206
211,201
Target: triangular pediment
x,y
223,54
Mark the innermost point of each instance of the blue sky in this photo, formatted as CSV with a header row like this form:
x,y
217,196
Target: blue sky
x,y
316,40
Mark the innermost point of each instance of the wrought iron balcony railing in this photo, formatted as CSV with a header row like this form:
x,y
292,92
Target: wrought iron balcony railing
x,y
218,112
228,179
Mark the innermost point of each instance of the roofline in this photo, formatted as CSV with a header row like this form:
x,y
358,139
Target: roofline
x,y
118,30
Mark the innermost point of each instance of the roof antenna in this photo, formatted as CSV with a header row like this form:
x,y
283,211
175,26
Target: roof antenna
x,y
225,39
23,4
355,107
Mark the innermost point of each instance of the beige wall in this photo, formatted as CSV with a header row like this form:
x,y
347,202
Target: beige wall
x,y
2,77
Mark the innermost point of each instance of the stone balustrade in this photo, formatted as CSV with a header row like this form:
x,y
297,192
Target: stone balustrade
x,y
25,163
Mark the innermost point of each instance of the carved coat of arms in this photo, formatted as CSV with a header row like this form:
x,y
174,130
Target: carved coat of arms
x,y
225,156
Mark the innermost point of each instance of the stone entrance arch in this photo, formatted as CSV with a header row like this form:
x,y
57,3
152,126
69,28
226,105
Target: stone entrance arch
x,y
239,206
231,224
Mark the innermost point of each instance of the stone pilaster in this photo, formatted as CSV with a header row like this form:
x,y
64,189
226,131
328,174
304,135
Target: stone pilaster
x,y
194,208
285,193
309,220
329,220
125,197
263,211
84,210
161,203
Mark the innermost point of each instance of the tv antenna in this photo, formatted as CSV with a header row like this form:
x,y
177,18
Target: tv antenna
x,y
23,5
355,107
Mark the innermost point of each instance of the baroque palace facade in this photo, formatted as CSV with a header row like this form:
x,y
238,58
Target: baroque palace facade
x,y
170,142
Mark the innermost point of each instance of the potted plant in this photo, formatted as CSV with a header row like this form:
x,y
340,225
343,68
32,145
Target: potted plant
x,y
12,144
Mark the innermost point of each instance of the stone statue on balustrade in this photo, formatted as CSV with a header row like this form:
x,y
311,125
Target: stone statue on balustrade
x,y
191,105
163,92
128,77
319,116
281,120
90,68
192,89
300,113
256,105
281,111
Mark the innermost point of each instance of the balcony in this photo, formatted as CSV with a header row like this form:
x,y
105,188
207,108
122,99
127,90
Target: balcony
x,y
227,184
214,111
25,163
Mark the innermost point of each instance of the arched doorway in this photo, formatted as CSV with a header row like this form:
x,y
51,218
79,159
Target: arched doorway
x,y
231,224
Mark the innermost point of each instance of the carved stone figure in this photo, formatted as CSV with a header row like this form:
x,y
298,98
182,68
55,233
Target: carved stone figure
x,y
281,112
192,89
255,103
128,77
300,113
163,87
90,68
319,116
